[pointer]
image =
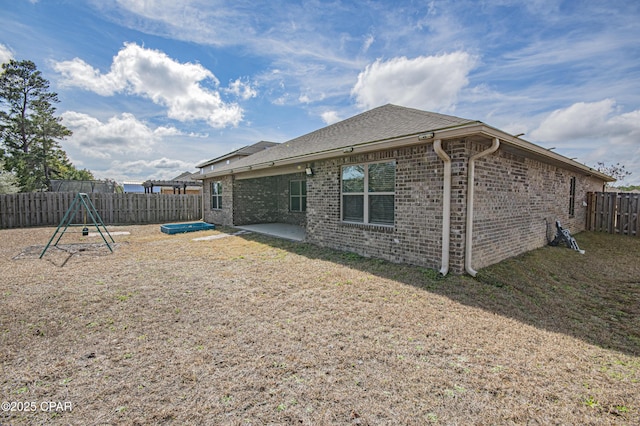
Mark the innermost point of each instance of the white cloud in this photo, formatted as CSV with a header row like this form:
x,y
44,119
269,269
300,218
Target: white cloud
x,y
271,28
123,134
304,98
427,82
519,43
594,132
166,163
123,147
368,42
78,73
626,127
580,120
330,117
5,54
158,163
242,89
154,75
302,41
159,169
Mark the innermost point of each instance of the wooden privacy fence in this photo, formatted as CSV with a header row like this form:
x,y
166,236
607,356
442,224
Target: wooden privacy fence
x,y
48,208
613,212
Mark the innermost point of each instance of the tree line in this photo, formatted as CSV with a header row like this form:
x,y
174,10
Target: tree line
x,y
30,132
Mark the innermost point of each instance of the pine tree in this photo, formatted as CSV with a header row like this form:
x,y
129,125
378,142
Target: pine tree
x,y
30,131
8,183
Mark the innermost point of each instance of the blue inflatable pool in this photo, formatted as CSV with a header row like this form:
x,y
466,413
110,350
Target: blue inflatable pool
x,y
177,228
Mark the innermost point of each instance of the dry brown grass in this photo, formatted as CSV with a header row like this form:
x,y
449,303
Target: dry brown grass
x,y
253,330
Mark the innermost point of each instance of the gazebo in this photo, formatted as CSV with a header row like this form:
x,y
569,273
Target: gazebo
x,y
178,184
179,187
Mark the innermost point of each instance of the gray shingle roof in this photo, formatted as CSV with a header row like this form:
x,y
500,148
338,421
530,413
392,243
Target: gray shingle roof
x,y
382,123
244,151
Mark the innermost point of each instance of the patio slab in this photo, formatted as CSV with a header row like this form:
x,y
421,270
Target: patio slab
x,y
279,230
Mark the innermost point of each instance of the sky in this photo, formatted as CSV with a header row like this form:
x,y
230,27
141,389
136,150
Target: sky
x,y
151,88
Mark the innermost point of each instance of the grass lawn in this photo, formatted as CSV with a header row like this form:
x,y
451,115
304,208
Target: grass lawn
x,y
251,330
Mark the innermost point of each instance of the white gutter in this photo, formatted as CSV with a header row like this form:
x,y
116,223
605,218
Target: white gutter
x,y
470,186
446,205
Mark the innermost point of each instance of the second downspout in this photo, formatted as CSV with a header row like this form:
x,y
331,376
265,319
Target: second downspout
x,y
470,186
446,205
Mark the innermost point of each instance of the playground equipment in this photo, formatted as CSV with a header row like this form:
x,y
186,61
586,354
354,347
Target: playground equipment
x,y
81,200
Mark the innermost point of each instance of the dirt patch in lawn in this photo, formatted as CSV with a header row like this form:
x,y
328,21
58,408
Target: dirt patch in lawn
x,y
247,329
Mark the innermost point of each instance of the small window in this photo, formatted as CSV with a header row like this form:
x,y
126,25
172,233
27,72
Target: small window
x,y
216,195
298,195
572,196
368,193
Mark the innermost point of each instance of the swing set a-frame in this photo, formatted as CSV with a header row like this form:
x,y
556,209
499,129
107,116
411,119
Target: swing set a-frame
x,y
81,200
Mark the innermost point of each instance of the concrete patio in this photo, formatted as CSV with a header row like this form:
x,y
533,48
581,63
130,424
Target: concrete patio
x,y
279,230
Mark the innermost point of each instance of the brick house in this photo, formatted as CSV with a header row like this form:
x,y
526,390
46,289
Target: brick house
x,y
408,186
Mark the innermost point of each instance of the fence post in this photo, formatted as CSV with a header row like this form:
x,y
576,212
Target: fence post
x,y
590,210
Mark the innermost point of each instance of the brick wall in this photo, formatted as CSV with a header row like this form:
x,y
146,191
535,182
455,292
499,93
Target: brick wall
x,y
515,199
222,216
416,236
266,200
285,215
459,154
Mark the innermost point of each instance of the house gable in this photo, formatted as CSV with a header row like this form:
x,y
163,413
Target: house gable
x,y
234,156
382,123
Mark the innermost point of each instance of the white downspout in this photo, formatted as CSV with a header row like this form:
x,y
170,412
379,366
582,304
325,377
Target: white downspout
x,y
470,186
446,205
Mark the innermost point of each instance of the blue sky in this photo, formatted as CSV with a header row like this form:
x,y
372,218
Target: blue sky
x,y
152,88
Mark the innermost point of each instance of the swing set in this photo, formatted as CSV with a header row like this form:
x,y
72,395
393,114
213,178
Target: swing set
x,y
81,200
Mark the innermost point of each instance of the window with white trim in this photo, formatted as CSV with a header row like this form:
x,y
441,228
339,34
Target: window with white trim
x,y
368,193
298,195
216,195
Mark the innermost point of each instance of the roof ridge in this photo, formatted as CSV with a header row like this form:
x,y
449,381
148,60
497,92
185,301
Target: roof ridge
x,y
380,123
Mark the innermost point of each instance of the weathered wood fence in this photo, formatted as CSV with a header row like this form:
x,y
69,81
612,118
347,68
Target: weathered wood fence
x,y
614,212
48,208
